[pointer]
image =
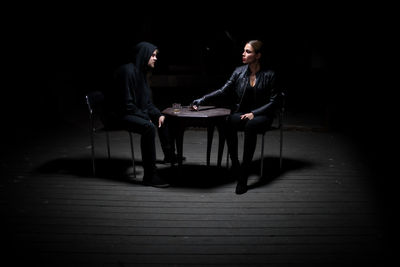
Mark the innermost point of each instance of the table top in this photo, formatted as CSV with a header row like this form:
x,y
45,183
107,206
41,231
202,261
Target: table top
x,y
202,112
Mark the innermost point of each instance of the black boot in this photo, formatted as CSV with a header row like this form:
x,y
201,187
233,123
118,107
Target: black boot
x,y
173,159
241,186
151,178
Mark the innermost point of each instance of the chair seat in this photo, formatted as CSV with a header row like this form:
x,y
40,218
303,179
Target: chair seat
x,y
113,128
271,128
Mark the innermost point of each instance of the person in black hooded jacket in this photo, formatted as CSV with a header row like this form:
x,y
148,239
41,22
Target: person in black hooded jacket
x,y
130,105
252,92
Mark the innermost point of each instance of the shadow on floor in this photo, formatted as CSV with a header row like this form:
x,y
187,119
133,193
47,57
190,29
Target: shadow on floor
x,y
188,175
196,176
114,168
272,171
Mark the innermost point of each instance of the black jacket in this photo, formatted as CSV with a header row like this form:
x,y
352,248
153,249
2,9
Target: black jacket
x,y
131,94
266,91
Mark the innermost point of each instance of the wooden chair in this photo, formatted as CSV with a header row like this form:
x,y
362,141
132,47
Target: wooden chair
x,y
95,103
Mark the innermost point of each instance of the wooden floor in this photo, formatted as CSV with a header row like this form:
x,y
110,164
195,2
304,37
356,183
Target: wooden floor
x,y
320,210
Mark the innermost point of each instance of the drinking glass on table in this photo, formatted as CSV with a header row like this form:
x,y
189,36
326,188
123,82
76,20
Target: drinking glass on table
x,y
176,107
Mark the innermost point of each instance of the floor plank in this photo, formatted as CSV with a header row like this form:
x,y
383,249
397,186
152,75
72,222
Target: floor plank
x,y
320,210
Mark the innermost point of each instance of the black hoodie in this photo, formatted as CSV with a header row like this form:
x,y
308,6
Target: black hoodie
x,y
131,92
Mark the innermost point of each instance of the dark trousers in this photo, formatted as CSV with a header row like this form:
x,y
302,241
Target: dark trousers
x,y
147,129
251,128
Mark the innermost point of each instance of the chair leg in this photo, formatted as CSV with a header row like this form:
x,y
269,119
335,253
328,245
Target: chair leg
x,y
93,155
133,155
108,145
280,148
262,155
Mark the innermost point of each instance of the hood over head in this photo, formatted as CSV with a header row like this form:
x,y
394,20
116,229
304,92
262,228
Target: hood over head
x,y
143,52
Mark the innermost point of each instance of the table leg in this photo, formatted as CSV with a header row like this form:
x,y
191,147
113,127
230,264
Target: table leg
x,y
210,135
221,144
179,145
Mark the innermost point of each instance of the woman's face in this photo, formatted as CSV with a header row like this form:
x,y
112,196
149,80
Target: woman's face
x,y
249,56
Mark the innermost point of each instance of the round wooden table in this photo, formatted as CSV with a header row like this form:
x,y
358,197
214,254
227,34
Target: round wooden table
x,y
206,116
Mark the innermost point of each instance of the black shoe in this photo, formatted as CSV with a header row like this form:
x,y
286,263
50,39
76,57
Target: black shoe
x,y
241,187
172,160
155,181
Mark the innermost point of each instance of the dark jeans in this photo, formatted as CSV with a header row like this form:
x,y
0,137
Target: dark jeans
x,y
147,130
251,128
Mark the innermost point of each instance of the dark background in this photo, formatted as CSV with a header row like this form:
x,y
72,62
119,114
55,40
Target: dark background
x,y
334,60
330,57
327,55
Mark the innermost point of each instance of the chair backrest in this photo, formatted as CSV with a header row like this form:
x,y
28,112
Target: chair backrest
x,y
281,110
95,102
